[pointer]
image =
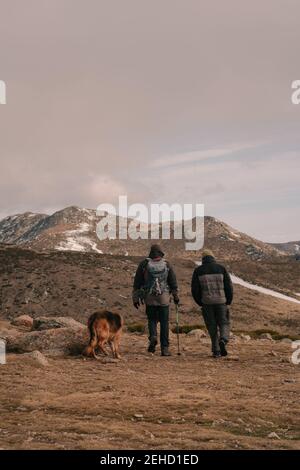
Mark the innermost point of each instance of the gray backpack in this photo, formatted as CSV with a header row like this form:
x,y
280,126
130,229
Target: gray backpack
x,y
156,277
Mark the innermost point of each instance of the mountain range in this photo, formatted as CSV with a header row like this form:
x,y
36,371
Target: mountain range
x,y
74,229
56,265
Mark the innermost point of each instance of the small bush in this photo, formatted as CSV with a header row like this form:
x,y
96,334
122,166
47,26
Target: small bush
x,y
136,328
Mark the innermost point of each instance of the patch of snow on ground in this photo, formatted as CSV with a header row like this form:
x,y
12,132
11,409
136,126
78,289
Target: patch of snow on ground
x,y
75,241
90,214
70,244
262,290
83,228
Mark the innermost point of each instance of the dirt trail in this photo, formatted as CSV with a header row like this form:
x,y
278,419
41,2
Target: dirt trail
x,y
149,402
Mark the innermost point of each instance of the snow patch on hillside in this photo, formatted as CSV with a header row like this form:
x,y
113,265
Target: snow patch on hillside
x,y
234,234
262,290
76,241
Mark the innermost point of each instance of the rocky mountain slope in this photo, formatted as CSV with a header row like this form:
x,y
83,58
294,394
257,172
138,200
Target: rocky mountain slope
x,y
14,228
292,248
74,229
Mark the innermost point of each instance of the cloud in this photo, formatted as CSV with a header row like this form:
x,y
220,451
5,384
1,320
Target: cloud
x,y
200,155
193,104
104,189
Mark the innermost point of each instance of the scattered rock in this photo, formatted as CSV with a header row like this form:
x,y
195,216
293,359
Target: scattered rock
x,y
245,337
273,435
48,323
23,320
35,358
232,357
286,359
266,336
290,380
139,416
198,333
109,360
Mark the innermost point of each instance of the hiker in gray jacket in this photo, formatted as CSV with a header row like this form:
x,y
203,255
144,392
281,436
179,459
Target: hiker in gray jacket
x,y
212,290
154,282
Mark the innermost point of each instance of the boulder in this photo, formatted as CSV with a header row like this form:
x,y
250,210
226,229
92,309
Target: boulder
x,y
35,358
7,329
23,320
54,342
198,333
286,340
48,323
245,337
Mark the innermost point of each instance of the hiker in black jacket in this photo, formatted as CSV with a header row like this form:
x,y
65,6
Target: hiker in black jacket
x,y
154,281
212,290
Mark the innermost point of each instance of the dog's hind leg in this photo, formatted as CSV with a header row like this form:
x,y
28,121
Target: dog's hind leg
x,y
116,341
112,347
101,345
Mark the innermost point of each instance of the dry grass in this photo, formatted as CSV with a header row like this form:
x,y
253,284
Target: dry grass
x,y
186,402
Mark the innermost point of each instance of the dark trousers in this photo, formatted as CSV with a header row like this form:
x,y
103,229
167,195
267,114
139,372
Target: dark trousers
x,y
217,322
159,314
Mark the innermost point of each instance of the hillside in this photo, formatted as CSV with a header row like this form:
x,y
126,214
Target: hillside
x,y
292,248
75,284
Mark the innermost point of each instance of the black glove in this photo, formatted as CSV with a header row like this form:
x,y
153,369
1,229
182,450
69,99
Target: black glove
x,y
176,299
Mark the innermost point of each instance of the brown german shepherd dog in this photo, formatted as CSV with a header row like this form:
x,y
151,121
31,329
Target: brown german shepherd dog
x,y
104,327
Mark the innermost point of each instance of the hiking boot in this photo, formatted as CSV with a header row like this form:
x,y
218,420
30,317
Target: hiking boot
x,y
152,345
222,345
217,355
165,352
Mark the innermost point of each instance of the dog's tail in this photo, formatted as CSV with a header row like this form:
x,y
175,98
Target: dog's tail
x,y
90,349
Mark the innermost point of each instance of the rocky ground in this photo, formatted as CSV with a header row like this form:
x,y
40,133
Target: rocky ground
x,y
76,284
249,400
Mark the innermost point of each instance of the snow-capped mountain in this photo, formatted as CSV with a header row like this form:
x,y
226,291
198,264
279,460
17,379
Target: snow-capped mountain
x,y
74,229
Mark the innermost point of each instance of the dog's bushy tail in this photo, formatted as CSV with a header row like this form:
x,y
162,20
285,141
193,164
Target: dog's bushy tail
x,y
90,349
93,334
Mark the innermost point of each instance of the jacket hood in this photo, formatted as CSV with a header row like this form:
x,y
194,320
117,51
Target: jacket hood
x,y
156,252
208,259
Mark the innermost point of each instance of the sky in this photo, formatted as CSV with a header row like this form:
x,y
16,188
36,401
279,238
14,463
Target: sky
x,y
170,101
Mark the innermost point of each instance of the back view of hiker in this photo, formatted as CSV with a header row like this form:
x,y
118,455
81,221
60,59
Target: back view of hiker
x,y
154,281
212,290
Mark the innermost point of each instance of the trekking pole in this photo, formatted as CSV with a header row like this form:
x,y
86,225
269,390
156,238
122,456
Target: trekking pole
x,y
177,329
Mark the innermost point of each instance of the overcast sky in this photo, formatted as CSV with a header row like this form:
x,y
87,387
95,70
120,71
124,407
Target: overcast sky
x,y
163,100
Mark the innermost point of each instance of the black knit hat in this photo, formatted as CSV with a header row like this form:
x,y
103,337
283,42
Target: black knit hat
x,y
156,251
